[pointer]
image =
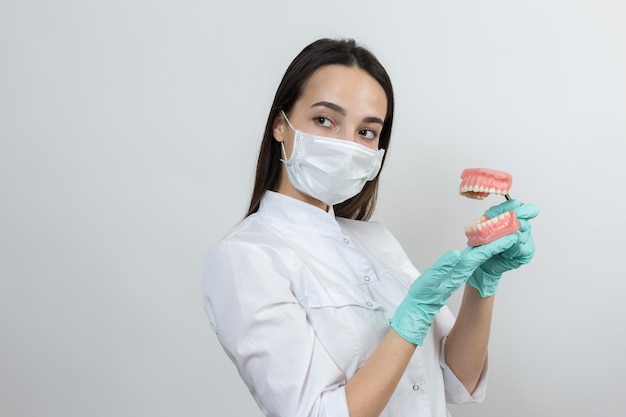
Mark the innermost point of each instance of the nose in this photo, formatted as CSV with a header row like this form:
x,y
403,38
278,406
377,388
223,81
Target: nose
x,y
347,133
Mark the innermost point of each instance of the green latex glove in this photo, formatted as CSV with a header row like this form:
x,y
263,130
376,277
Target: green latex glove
x,y
432,289
486,277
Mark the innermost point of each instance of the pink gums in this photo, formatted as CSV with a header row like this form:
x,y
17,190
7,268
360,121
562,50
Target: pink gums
x,y
485,230
478,183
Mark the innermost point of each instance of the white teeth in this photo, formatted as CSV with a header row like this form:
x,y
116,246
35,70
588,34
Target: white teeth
x,y
481,189
479,225
479,192
502,216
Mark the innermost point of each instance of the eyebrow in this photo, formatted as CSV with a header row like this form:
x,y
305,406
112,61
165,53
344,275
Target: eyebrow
x,y
337,108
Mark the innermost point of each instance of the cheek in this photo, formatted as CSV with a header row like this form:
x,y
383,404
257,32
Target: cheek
x,y
371,144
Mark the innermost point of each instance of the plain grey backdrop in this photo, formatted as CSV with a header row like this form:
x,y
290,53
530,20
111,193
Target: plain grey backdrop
x,y
128,137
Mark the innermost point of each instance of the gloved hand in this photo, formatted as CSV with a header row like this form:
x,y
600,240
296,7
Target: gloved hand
x,y
432,289
487,276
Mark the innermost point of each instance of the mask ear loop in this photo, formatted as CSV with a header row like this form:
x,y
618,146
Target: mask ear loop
x,y
282,144
282,147
287,120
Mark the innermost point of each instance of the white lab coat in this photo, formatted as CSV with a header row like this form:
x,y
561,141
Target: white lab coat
x,y
299,299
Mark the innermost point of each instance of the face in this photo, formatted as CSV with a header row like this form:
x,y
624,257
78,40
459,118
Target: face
x,y
338,102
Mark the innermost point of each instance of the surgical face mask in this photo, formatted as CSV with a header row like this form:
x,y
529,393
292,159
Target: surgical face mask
x,y
330,170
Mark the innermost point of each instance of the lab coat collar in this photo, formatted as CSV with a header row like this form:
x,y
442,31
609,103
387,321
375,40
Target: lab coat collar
x,y
283,208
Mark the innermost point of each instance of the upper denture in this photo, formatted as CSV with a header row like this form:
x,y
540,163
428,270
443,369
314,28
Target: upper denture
x,y
478,183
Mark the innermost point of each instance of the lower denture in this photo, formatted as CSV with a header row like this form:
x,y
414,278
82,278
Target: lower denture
x,y
486,230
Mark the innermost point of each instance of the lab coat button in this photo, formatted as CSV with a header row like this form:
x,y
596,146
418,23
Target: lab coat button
x,y
366,278
369,304
416,387
346,240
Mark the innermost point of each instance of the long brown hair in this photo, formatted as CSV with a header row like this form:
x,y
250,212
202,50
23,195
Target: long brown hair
x,y
316,55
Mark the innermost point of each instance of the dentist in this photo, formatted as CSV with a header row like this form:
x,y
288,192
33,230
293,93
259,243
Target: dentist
x,y
320,309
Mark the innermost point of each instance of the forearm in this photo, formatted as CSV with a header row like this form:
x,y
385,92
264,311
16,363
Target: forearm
x,y
466,345
369,390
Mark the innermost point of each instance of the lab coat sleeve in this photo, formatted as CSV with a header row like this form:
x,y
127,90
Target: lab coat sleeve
x,y
265,332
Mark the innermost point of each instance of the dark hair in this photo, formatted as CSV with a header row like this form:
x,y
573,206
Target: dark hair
x,y
316,55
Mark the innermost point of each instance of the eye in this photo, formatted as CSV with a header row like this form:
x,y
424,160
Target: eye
x,y
323,121
368,134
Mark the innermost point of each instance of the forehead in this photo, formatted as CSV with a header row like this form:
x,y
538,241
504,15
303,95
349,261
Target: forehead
x,y
346,86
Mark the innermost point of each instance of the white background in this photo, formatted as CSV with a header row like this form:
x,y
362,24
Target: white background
x,y
128,136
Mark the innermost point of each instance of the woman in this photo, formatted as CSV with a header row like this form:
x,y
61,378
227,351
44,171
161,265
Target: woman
x,y
319,308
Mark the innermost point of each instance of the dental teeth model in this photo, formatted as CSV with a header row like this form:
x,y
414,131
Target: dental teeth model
x,y
485,230
478,183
